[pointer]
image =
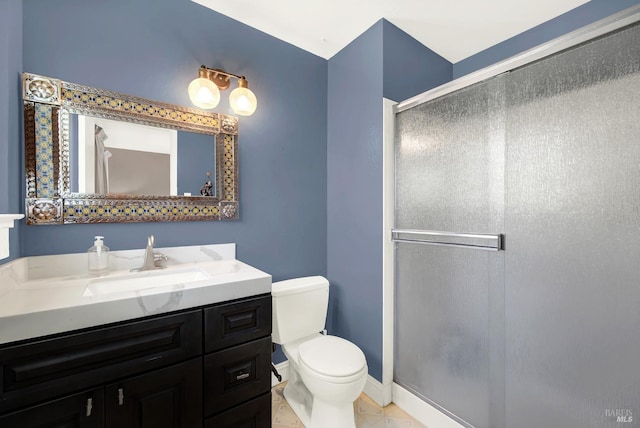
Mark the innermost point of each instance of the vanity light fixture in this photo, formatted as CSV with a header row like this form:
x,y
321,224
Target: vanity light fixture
x,y
204,91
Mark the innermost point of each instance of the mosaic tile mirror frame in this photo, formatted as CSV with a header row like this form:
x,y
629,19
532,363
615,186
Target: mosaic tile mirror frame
x,y
48,106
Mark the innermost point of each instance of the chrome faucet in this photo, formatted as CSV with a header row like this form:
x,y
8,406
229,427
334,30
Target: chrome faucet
x,y
152,260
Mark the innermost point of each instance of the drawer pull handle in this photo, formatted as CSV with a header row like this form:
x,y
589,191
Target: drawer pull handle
x,y
242,376
120,396
89,406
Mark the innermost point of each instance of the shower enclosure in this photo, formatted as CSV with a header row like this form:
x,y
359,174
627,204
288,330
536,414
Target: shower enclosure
x,y
517,243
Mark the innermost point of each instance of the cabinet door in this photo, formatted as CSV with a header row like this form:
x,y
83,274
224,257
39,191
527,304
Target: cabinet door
x,y
83,410
167,398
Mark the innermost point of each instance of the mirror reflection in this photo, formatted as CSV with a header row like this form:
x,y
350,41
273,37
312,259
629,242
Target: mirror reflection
x,y
109,157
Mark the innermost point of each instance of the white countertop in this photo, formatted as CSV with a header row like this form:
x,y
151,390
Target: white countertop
x,y
48,294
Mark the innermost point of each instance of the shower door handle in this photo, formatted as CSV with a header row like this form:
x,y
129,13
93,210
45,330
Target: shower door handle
x,y
478,241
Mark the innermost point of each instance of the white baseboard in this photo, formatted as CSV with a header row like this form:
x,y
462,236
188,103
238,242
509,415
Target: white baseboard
x,y
420,410
374,390
283,369
381,394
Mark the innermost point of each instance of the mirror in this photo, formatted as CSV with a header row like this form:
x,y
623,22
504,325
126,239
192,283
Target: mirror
x,y
96,156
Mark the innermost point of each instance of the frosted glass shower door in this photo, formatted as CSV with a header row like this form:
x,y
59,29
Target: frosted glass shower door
x,y
572,221
449,298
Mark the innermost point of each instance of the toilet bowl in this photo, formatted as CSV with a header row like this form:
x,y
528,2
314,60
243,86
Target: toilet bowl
x,y
326,373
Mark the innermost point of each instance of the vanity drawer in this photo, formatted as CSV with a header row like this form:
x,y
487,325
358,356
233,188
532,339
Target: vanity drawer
x,y
236,374
43,369
233,323
252,414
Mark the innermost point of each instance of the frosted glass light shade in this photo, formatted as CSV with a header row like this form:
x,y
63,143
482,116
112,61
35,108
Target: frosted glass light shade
x,y
243,101
204,93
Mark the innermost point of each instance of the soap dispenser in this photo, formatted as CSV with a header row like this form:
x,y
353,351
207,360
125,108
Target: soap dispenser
x,y
98,258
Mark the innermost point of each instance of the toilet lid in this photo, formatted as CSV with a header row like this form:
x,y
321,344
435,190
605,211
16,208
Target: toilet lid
x,y
332,356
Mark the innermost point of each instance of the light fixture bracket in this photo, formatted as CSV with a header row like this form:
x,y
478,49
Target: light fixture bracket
x,y
221,78
243,101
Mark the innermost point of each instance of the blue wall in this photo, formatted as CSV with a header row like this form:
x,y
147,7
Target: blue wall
x,y
381,62
354,200
11,183
152,49
408,67
579,17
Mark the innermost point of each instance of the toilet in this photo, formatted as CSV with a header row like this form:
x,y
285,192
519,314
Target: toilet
x,y
326,373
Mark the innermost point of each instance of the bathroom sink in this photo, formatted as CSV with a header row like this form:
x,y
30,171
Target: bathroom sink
x,y
144,280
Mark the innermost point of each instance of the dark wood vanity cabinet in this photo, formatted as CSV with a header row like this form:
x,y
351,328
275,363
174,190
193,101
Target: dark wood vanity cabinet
x,y
207,366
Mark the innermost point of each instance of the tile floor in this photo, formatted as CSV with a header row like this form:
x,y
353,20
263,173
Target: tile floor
x,y
368,413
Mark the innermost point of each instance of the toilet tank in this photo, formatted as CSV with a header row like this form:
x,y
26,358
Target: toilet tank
x,y
299,308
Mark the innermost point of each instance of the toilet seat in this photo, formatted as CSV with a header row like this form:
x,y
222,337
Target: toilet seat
x,y
332,359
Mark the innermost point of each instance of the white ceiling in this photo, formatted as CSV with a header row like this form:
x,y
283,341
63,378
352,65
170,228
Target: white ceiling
x,y
455,29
